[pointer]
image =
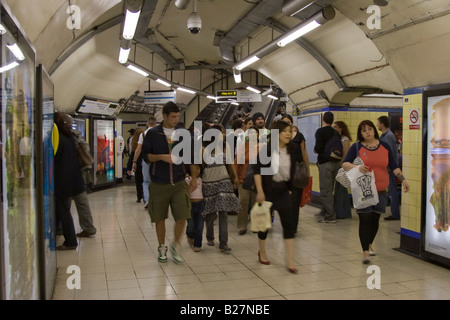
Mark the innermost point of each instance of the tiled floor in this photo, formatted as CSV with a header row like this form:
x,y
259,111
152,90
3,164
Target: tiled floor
x,y
120,262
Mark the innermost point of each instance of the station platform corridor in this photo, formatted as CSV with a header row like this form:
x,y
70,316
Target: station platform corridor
x,y
120,261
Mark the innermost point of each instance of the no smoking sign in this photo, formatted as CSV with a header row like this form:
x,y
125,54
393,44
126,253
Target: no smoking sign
x,y
414,119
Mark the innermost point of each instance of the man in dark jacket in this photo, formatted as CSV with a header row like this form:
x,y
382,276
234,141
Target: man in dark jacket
x,y
328,168
167,186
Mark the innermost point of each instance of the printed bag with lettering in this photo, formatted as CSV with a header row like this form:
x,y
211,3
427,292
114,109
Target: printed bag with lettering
x,y
364,190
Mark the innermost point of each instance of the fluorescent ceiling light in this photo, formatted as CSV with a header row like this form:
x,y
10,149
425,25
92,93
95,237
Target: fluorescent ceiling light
x,y
9,66
123,55
142,72
186,90
234,103
383,95
129,27
272,97
237,76
301,9
291,36
253,89
163,82
16,51
265,93
247,62
211,97
2,29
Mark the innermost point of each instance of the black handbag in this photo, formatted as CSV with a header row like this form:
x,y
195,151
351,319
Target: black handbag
x,y
301,177
249,180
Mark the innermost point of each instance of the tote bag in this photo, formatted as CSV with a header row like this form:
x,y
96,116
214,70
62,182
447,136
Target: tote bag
x,y
260,217
364,190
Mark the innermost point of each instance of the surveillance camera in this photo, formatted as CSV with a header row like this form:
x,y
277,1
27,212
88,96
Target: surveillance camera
x,y
194,23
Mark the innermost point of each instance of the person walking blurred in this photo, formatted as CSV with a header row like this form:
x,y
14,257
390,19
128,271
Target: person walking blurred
x,y
297,138
168,185
68,181
342,205
247,151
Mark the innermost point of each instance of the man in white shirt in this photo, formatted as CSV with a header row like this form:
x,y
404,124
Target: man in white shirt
x,y
151,122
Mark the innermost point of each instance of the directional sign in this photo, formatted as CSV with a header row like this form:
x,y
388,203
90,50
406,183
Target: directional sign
x,y
414,119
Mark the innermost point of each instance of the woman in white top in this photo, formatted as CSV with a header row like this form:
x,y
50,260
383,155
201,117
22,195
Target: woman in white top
x,y
342,205
276,188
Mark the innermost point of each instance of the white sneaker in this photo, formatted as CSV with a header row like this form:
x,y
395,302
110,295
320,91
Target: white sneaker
x,y
162,253
175,249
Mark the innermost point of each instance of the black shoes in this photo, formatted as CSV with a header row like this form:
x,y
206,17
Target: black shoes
x,y
391,218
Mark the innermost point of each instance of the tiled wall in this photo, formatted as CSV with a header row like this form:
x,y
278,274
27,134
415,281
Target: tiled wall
x,y
412,166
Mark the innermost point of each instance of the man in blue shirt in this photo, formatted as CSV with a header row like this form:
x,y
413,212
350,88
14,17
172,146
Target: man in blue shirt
x,y
388,137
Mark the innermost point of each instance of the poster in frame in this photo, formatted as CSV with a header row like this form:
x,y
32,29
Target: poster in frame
x,y
436,174
103,135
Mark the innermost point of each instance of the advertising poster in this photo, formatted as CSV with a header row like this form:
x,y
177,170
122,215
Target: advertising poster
x,y
437,195
103,152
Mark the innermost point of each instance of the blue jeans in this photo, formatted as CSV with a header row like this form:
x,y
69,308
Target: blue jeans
x,y
393,195
223,228
194,229
146,179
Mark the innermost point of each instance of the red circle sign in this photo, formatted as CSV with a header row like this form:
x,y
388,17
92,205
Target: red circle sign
x,y
414,116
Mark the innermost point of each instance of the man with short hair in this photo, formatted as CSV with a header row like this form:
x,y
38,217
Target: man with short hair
x,y
260,123
388,137
328,168
167,186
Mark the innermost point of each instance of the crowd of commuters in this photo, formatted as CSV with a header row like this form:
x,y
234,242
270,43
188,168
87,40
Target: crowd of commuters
x,y
198,193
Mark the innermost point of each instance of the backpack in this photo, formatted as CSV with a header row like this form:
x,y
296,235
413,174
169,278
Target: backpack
x,y
334,148
85,159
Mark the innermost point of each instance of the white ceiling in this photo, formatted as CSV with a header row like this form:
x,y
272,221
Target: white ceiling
x,y
410,50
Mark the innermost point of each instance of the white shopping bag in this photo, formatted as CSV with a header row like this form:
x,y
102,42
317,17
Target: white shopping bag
x,y
260,217
364,191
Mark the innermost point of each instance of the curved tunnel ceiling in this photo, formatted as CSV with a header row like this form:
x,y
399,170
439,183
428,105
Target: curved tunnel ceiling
x,y
409,50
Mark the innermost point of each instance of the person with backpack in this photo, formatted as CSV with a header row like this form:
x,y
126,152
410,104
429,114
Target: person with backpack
x,y
328,147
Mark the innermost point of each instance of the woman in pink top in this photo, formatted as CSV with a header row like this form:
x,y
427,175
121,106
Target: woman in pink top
x,y
377,157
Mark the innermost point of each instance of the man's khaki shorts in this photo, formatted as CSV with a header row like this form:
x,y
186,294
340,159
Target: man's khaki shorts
x,y
162,195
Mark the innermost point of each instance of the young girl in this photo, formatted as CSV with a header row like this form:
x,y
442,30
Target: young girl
x,y
219,182
194,229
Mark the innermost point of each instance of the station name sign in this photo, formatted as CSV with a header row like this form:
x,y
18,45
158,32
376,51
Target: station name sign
x,y
238,96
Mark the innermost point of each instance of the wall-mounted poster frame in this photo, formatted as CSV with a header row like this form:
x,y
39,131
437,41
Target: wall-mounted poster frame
x,y
436,174
103,146
19,276
46,222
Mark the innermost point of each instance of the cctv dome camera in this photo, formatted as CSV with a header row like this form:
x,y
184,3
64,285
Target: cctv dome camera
x,y
194,23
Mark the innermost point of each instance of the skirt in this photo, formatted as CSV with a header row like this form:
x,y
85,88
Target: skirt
x,y
218,191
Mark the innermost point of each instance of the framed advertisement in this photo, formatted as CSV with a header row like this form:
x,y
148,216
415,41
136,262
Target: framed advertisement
x,y
436,174
103,147
19,276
